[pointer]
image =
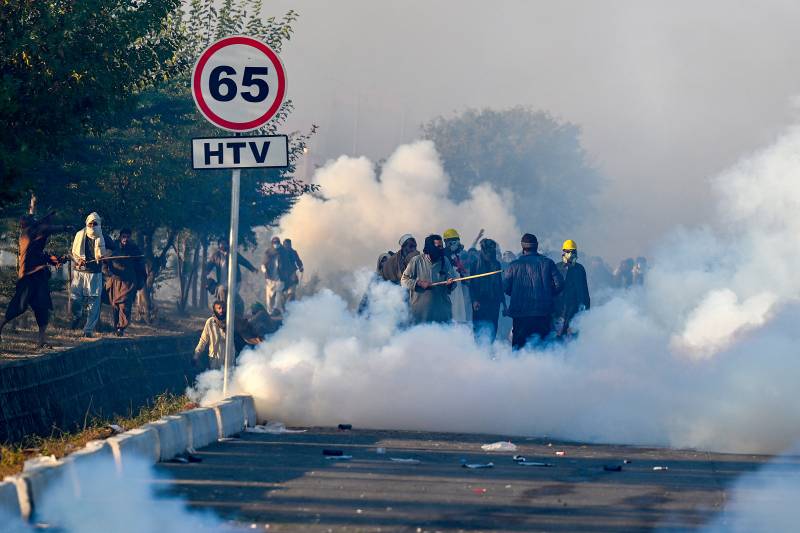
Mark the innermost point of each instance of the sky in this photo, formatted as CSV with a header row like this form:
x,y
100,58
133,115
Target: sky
x,y
668,94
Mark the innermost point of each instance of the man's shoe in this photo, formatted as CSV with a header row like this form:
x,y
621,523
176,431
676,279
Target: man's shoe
x,y
88,335
119,332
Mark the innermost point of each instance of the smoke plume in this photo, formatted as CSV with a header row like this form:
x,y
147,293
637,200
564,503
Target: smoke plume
x,y
702,356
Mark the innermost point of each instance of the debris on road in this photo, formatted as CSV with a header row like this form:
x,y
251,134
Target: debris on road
x,y
627,461
561,453
519,458
405,461
333,453
345,427
534,463
273,428
660,468
479,490
380,451
339,457
612,468
474,466
501,446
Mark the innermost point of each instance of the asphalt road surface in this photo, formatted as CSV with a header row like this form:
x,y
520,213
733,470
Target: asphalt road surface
x,y
285,483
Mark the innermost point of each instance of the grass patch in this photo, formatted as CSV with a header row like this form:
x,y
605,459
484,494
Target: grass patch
x,y
61,443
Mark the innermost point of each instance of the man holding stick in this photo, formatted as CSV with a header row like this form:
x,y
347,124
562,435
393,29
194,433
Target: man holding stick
x,y
88,250
429,281
33,273
126,276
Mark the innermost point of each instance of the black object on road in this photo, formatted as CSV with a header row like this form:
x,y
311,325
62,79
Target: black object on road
x,y
345,427
333,453
612,468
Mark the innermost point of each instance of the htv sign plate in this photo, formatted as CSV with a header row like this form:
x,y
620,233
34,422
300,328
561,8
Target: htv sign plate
x,y
264,151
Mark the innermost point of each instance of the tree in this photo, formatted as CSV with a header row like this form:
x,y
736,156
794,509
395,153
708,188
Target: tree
x,y
535,156
139,172
67,66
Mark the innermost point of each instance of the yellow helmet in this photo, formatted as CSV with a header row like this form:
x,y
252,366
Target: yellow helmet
x,y
450,234
569,244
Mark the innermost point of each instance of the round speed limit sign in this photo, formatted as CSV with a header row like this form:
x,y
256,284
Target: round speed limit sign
x,y
238,83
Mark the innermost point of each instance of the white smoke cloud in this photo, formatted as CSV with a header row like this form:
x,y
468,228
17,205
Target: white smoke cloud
x,y
764,500
97,498
702,356
361,214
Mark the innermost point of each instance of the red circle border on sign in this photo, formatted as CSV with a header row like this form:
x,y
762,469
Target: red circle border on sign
x,y
198,93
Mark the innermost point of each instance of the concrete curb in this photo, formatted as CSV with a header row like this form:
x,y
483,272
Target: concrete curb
x,y
249,410
202,427
172,436
9,499
230,417
141,442
156,441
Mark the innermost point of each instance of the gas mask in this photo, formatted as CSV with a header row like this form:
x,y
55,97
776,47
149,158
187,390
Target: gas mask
x,y
569,256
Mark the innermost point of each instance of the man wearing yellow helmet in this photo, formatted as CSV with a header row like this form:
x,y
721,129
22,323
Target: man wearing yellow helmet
x,y
454,251
574,298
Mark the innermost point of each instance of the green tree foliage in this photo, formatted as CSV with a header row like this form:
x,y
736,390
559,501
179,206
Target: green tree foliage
x,y
138,172
535,156
67,66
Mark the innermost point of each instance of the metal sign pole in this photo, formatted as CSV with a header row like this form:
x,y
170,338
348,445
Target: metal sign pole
x,y
233,260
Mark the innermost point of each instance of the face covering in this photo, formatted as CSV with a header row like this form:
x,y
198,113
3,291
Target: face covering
x,y
569,257
93,231
455,246
276,245
433,251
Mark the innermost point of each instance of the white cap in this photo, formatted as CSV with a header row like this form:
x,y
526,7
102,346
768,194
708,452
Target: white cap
x,y
405,237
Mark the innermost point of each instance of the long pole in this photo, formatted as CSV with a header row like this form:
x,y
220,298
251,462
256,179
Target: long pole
x,y
233,260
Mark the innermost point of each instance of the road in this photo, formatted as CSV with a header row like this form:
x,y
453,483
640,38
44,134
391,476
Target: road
x,y
285,483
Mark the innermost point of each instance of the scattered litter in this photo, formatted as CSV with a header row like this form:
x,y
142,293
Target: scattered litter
x,y
274,428
339,457
660,468
359,511
227,439
473,466
345,427
627,461
380,451
115,428
404,461
335,453
501,446
612,468
561,453
508,486
549,444
519,458
179,459
479,490
533,463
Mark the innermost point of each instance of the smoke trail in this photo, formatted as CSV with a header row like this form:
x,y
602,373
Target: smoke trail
x,y
704,355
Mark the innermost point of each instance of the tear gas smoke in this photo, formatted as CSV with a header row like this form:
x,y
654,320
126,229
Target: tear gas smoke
x,y
703,356
360,214
96,498
764,500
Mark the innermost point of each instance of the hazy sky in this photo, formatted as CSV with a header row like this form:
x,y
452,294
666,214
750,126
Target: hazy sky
x,y
667,93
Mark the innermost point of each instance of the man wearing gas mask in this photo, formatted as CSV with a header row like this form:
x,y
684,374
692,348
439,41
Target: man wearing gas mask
x,y
574,297
460,298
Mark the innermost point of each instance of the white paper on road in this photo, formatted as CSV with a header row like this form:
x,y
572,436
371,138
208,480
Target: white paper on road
x,y
273,428
478,465
501,446
338,457
405,461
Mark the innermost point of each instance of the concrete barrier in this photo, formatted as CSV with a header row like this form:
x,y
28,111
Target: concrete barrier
x,y
140,442
36,480
23,495
230,417
9,500
172,436
249,409
202,429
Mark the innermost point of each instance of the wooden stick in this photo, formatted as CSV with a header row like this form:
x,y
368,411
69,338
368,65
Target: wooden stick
x,y
465,278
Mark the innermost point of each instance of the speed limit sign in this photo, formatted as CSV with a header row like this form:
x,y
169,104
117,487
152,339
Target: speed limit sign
x,y
238,83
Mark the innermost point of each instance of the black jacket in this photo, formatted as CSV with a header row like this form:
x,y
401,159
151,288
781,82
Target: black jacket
x,y
488,291
575,293
532,281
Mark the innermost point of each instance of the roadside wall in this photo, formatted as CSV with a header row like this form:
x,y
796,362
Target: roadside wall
x,y
102,378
